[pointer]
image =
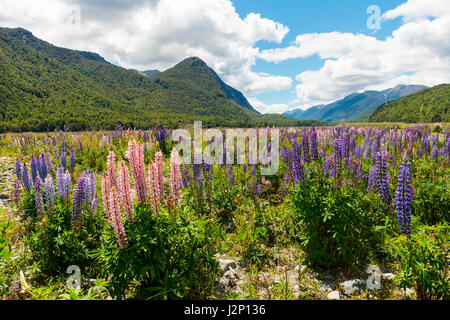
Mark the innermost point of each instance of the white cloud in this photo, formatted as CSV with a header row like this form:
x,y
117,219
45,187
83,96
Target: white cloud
x,y
149,34
418,52
419,9
265,108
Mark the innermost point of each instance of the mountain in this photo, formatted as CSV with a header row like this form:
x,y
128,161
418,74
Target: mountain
x,y
354,106
426,106
44,87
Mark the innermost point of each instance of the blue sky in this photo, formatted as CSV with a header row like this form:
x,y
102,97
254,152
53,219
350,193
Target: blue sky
x,y
312,17
282,55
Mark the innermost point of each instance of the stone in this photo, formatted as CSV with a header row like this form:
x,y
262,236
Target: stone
x,y
225,265
228,283
334,295
354,286
388,276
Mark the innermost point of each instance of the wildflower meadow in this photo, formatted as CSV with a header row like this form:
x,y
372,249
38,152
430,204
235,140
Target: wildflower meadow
x,y
136,220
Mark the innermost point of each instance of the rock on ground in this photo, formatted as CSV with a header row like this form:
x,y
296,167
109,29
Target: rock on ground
x,y
352,287
334,295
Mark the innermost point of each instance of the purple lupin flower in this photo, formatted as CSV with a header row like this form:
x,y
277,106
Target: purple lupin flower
x,y
403,197
296,162
382,178
25,178
72,160
94,205
91,188
49,192
34,168
42,168
16,198
337,161
60,182
448,147
39,201
305,145
79,198
434,152
313,140
328,165
63,160
374,152
231,174
424,146
67,187
185,177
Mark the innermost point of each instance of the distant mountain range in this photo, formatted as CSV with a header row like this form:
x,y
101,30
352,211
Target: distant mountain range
x,y
356,106
425,106
44,87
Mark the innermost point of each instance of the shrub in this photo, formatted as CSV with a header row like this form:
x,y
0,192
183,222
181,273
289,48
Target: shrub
x,y
167,257
55,246
432,200
423,261
338,225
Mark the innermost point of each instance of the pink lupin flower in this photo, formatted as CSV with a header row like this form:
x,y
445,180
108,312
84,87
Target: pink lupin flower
x,y
116,219
265,182
175,176
154,187
136,158
159,174
125,192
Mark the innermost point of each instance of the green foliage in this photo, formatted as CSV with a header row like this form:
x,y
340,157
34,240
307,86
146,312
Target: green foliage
x,y
250,239
431,196
423,261
56,246
98,292
28,214
339,226
167,257
426,106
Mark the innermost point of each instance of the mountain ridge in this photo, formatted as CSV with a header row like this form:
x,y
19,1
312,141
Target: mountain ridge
x,y
354,105
44,87
430,105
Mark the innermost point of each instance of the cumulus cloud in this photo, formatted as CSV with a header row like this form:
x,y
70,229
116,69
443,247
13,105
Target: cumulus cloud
x,y
418,52
267,108
149,34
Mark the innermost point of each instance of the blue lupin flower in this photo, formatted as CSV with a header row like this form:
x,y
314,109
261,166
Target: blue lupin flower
x,y
42,167
382,178
305,145
34,168
25,178
49,192
39,201
403,197
313,140
63,160
79,198
72,160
